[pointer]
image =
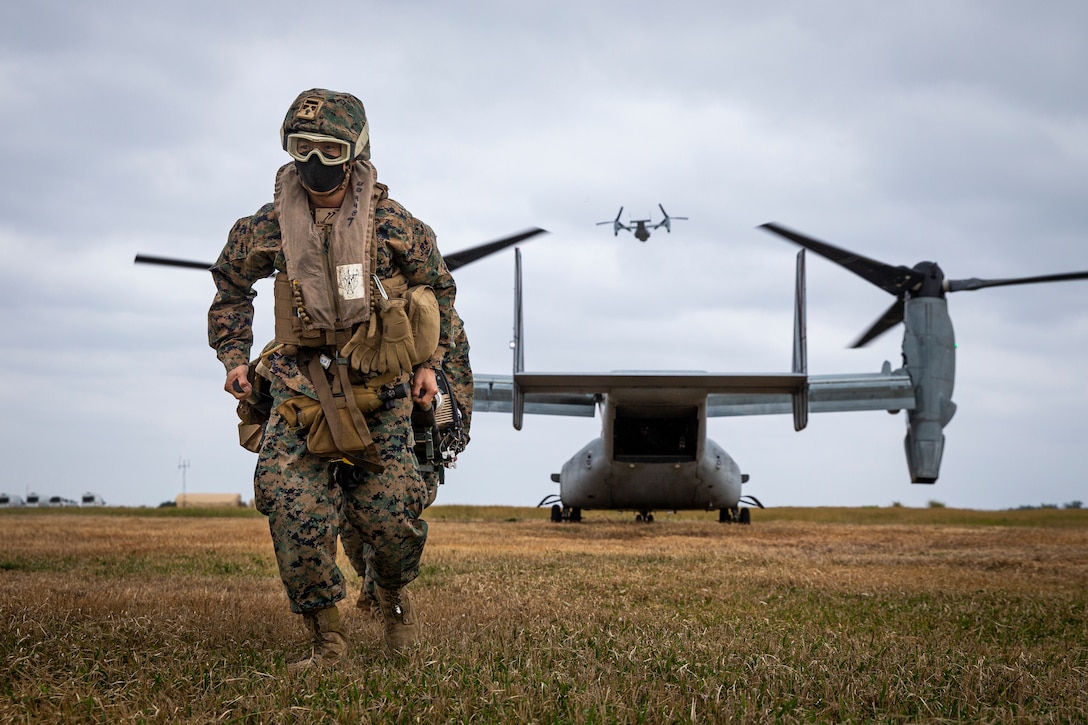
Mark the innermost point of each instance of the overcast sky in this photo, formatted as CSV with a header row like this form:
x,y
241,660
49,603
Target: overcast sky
x,y
955,132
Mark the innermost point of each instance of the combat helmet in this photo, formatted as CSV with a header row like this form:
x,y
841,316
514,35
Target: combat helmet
x,y
322,115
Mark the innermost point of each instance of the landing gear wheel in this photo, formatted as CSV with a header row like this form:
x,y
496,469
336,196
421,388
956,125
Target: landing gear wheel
x,y
728,515
561,514
745,516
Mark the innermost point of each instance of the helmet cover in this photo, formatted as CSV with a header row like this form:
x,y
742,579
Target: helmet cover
x,y
328,113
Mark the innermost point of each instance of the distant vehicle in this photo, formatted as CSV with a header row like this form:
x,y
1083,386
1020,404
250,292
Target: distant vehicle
x,y
33,499
60,501
92,499
642,232
8,501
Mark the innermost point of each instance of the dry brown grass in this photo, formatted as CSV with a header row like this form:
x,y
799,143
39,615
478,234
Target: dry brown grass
x,y
804,616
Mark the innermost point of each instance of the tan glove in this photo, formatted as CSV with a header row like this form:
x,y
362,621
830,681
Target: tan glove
x,y
362,349
397,342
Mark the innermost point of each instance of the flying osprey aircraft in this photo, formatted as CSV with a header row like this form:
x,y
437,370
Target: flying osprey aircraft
x,y
653,452
642,232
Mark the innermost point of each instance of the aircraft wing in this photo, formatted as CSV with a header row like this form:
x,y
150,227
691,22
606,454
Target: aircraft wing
x,y
576,394
885,390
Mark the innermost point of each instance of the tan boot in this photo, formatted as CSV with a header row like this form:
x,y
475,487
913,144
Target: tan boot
x,y
328,639
401,626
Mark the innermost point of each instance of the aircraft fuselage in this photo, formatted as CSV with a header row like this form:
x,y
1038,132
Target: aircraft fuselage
x,y
653,454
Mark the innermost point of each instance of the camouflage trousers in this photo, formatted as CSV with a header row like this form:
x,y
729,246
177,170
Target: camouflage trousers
x,y
296,490
359,551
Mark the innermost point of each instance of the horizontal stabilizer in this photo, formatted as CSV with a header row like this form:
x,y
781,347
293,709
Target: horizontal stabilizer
x,y
576,394
826,394
495,394
601,383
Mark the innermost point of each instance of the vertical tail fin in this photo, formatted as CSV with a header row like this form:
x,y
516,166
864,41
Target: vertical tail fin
x,y
800,345
517,397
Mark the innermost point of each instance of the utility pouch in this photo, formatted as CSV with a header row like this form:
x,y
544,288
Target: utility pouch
x,y
335,423
424,318
322,439
253,411
403,333
249,436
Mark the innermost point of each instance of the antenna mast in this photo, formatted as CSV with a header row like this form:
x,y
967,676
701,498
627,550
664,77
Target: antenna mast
x,y
183,466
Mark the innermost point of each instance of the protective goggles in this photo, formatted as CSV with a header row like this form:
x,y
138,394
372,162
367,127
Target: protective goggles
x,y
330,151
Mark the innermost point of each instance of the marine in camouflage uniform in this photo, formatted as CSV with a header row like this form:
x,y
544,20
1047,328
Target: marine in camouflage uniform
x,y
326,134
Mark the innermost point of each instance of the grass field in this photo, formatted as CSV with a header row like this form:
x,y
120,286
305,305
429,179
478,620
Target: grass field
x,y
827,615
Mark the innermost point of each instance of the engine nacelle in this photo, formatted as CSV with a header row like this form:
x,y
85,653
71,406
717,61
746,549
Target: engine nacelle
x,y
929,355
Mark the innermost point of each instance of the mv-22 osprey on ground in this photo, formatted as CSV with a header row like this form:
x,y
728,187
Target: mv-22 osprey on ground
x,y
653,452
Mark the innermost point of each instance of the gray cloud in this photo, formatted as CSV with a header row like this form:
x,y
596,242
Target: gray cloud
x,y
950,132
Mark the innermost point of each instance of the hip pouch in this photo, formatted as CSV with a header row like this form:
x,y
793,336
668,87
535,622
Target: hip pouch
x,y
336,423
253,411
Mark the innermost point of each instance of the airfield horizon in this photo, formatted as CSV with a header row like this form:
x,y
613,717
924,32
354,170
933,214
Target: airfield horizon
x,y
892,614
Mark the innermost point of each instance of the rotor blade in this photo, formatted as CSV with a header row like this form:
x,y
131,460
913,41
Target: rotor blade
x,y
891,317
169,262
460,259
893,280
666,214
453,261
974,283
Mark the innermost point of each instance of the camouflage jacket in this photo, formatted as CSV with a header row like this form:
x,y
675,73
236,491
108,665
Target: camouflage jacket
x,y
253,251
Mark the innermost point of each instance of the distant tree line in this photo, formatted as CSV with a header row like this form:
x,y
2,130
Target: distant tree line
x,y
1070,505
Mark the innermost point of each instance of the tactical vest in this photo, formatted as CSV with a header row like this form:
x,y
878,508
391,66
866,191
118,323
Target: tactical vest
x,y
329,287
326,289
292,316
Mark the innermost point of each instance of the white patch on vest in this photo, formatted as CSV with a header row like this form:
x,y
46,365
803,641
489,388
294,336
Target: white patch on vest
x,y
349,278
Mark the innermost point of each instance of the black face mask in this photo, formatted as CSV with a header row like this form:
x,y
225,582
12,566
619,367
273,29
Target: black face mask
x,y
318,177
